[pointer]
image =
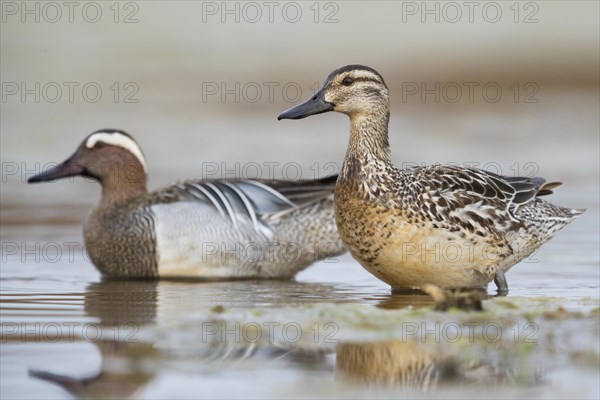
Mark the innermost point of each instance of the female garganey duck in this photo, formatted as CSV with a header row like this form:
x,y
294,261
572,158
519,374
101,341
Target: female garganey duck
x,y
197,228
442,225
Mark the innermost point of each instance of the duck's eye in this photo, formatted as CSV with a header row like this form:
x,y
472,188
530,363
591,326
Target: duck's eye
x,y
347,81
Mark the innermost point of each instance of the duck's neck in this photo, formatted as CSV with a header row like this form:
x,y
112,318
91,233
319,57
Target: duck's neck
x,y
123,185
368,141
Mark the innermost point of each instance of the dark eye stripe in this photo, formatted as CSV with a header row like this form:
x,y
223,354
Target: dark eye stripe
x,y
362,79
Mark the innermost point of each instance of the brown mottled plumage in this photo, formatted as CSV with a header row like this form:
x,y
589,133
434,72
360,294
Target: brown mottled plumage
x,y
442,225
197,228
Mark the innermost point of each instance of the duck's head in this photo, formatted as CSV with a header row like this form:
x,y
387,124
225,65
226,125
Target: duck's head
x,y
351,90
110,156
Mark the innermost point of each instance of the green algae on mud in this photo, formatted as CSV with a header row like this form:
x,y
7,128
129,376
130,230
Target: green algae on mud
x,y
515,341
518,321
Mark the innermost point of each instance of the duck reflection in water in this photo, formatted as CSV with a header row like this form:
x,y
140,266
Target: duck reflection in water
x,y
410,365
127,364
126,369
130,363
167,318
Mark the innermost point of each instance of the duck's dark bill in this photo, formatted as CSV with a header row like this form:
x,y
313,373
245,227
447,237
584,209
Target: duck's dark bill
x,y
316,105
66,169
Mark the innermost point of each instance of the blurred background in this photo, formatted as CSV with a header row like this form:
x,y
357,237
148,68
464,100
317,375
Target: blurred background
x,y
508,86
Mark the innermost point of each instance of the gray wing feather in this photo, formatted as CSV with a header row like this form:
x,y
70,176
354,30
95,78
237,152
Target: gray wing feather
x,y
247,204
248,200
235,200
200,192
265,198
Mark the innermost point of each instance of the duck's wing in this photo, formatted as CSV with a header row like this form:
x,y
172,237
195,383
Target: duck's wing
x,y
247,200
540,185
469,186
302,192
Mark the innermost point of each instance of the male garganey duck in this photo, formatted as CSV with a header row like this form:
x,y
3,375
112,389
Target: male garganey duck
x,y
197,228
442,225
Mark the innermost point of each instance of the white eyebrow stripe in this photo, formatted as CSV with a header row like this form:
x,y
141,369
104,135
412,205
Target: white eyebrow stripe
x,y
362,74
118,139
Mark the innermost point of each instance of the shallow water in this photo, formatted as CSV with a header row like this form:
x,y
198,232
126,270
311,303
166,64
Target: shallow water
x,y
158,339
